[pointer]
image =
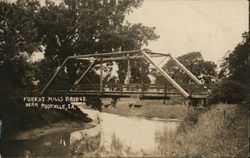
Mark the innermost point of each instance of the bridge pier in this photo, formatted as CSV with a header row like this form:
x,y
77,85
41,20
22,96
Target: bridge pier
x,y
196,102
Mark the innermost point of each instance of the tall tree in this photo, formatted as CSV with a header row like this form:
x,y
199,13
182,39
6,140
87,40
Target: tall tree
x,y
235,66
19,39
89,26
233,87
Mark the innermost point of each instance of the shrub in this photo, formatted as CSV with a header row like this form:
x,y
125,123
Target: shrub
x,y
190,119
229,91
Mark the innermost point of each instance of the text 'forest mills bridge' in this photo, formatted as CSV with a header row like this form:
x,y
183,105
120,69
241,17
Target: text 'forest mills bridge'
x,y
196,91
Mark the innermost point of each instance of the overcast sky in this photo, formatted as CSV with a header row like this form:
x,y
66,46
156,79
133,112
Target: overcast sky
x,y
210,26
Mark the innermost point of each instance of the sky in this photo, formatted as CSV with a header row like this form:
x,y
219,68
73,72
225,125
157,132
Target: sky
x,y
212,27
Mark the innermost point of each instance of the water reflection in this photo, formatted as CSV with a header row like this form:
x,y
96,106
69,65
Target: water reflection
x,y
135,133
51,145
58,144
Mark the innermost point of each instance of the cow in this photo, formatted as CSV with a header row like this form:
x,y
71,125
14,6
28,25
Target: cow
x,y
135,105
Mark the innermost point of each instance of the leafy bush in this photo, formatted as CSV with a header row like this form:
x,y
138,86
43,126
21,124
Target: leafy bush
x,y
229,91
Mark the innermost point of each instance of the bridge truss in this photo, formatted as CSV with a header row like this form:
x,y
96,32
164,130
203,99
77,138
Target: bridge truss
x,y
144,91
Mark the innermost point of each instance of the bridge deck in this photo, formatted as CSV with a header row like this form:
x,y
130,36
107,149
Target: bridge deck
x,y
121,90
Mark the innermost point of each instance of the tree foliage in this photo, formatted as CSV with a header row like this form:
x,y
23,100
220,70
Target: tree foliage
x,y
234,75
89,26
205,71
235,66
19,39
228,91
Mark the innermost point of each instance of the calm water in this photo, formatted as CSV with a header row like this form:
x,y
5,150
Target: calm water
x,y
138,134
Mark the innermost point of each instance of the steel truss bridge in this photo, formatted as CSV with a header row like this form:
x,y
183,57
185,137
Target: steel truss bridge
x,y
144,91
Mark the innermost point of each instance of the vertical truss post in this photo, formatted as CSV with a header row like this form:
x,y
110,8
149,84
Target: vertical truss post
x,y
55,74
186,70
128,77
165,93
176,85
142,89
101,77
129,71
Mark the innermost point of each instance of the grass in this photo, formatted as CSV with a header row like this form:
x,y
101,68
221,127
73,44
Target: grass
x,y
220,132
149,109
116,149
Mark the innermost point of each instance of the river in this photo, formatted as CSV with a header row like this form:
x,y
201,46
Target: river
x,y
110,132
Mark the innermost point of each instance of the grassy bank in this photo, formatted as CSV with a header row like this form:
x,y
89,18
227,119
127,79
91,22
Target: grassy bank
x,y
149,109
221,131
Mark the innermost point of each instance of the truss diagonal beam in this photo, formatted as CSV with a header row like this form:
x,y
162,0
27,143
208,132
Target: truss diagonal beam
x,y
161,54
186,70
81,77
175,84
55,74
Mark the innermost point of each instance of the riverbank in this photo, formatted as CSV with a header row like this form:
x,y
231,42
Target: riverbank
x,y
136,133
221,131
25,119
58,127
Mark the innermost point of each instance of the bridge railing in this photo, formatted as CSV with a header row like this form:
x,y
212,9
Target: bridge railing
x,y
143,88
147,90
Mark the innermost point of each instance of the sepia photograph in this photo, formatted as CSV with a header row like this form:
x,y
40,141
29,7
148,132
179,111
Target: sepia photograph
x,y
124,78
